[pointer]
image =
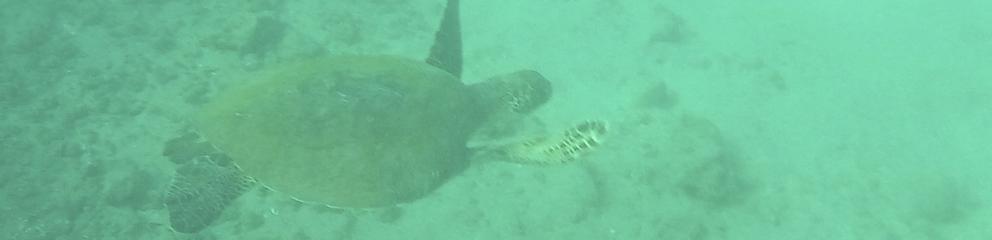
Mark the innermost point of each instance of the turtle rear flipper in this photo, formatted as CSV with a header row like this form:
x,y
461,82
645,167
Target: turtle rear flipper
x,y
201,190
574,142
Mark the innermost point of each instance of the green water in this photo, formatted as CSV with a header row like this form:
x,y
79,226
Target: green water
x,y
728,120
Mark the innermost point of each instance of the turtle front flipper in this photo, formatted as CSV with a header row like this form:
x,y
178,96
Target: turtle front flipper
x,y
446,53
574,142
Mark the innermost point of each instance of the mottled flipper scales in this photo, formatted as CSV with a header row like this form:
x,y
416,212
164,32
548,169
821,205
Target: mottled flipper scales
x,y
200,192
205,183
564,148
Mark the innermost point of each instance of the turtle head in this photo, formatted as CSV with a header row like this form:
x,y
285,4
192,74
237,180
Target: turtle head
x,y
521,91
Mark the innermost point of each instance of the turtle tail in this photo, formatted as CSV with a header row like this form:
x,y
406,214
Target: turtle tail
x,y
446,53
572,144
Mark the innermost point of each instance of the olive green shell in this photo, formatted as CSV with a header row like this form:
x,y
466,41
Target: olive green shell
x,y
357,131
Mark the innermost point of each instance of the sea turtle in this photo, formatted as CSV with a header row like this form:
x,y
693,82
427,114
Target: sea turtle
x,y
356,131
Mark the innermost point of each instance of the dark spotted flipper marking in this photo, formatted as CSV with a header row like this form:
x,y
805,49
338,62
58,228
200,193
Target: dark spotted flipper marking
x,y
570,145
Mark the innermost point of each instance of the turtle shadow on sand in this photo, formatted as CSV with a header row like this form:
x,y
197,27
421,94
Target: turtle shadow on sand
x,y
357,131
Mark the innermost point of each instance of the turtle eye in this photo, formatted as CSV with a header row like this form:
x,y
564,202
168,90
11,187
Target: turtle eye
x,y
517,101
